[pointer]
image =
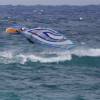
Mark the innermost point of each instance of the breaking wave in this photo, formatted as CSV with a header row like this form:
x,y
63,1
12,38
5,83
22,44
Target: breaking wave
x,y
10,56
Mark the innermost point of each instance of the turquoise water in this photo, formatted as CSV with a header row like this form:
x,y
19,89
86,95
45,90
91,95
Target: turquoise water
x,y
31,72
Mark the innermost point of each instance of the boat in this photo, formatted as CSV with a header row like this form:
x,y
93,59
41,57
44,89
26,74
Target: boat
x,y
43,36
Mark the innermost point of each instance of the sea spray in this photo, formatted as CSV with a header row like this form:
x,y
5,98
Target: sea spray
x,y
46,57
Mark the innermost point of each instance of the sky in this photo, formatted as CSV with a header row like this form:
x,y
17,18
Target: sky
x,y
49,2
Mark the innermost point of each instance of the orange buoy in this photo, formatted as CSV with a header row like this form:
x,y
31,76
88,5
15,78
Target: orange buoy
x,y
11,30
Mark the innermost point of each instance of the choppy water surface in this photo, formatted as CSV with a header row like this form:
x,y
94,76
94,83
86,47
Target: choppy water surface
x,y
31,72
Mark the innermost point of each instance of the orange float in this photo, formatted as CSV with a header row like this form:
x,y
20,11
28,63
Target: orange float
x,y
11,30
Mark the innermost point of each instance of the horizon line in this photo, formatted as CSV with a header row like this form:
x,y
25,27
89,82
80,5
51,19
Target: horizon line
x,y
49,5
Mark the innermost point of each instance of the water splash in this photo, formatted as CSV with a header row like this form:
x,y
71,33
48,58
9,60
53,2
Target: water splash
x,y
12,57
87,52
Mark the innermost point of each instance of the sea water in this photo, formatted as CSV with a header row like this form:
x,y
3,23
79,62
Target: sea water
x,y
29,72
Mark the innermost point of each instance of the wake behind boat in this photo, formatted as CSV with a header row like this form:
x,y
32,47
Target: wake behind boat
x,y
43,36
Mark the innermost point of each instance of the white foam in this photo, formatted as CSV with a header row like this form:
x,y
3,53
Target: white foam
x,y
11,57
41,59
87,52
6,54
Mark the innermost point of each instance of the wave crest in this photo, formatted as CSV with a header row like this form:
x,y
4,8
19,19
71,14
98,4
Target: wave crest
x,y
46,57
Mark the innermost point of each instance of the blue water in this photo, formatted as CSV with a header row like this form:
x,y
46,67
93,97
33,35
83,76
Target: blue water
x,y
31,72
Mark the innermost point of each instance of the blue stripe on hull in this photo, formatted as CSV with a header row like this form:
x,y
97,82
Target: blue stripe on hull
x,y
45,38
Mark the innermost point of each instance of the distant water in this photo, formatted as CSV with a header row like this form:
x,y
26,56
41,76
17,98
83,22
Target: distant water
x,y
29,72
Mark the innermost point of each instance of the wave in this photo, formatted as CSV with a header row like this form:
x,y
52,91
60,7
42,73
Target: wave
x,y
11,56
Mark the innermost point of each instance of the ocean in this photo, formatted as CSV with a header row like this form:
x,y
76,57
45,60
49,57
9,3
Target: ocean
x,y
31,72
